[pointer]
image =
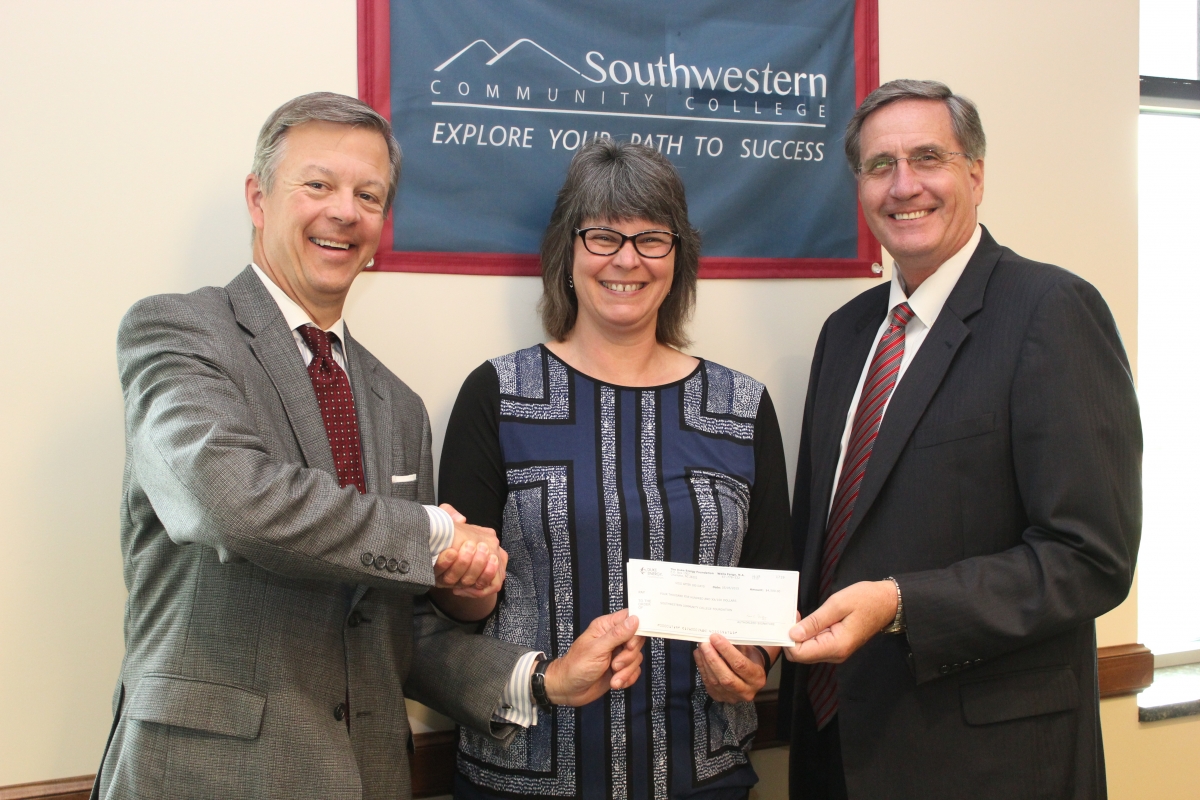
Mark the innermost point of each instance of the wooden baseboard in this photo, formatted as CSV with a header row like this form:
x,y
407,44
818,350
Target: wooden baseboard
x,y
78,788
433,763
1124,669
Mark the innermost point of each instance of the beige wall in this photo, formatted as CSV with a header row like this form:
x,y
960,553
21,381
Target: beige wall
x,y
128,128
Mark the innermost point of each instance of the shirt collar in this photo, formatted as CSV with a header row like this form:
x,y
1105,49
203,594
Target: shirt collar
x,y
296,316
927,301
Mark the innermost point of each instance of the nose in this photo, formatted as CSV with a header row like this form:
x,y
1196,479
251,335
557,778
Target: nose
x,y
905,182
343,207
627,256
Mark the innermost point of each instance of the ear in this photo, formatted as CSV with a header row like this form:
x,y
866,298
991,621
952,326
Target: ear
x,y
254,201
976,174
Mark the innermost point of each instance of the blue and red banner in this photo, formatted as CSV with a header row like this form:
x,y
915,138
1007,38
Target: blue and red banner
x,y
491,98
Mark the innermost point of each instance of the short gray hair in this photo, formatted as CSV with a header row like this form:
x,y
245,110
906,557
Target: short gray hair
x,y
964,116
618,180
320,107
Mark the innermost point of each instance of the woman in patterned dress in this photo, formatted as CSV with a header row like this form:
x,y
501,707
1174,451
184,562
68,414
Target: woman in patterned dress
x,y
604,444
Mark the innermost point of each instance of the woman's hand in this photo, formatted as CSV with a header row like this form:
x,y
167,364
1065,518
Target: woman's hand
x,y
731,674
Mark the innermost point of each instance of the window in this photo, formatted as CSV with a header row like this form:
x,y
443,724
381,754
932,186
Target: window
x,y
1168,324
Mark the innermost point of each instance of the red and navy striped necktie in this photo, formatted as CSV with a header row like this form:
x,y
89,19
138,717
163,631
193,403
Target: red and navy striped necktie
x,y
877,389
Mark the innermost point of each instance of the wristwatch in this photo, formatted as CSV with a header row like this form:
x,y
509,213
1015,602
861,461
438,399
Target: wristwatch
x,y
537,685
897,625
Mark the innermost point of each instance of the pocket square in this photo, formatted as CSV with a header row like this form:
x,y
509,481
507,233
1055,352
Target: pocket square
x,y
404,478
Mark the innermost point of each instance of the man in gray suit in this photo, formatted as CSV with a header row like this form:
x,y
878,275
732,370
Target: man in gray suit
x,y
277,524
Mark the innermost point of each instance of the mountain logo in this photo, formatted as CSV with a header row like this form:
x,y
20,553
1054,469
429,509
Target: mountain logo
x,y
497,55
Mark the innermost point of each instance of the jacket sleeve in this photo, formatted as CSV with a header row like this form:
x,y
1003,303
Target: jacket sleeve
x,y
472,477
460,674
1076,442
767,544
194,445
802,492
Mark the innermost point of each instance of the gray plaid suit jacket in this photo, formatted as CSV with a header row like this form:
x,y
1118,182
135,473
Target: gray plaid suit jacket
x,y
255,605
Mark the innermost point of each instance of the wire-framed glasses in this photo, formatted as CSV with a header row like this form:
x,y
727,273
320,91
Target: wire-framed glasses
x,y
923,161
601,241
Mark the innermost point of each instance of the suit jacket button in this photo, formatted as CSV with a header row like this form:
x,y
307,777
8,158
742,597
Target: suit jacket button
x,y
340,711
354,618
944,669
403,567
380,562
368,559
392,564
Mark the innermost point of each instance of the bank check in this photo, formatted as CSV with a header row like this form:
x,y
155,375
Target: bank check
x,y
691,602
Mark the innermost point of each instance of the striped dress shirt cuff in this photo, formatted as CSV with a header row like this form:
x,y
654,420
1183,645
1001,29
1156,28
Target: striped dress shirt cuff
x,y
441,531
516,701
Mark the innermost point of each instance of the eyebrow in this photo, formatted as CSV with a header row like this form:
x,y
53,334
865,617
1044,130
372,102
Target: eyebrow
x,y
328,172
918,149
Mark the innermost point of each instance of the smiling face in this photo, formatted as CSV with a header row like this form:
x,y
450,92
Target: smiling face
x,y
920,218
619,295
320,224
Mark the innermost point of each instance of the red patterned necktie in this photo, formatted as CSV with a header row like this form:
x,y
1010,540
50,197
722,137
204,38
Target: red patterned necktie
x,y
337,407
877,388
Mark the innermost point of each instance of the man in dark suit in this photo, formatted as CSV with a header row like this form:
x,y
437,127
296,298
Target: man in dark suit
x,y
277,519
967,494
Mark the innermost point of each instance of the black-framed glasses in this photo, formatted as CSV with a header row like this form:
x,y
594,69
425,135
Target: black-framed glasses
x,y
601,241
924,161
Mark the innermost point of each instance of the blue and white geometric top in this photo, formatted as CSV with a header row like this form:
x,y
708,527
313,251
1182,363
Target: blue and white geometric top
x,y
578,476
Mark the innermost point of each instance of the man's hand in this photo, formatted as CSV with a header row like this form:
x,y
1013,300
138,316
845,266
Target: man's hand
x,y
843,623
731,674
608,655
474,564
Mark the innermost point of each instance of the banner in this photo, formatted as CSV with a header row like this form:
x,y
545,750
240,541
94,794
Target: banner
x,y
749,100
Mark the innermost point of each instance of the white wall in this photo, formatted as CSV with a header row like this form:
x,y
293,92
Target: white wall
x,y
127,131
128,128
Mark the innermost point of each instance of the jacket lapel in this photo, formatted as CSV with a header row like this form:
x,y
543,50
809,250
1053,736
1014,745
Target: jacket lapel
x,y
374,417
848,365
845,367
841,365
374,426
925,374
275,347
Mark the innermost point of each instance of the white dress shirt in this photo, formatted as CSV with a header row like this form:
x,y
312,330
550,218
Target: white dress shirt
x,y
516,701
926,303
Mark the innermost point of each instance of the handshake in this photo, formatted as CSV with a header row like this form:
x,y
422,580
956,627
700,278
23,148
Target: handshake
x,y
474,563
608,655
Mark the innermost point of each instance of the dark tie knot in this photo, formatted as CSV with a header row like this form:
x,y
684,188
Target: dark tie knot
x,y
319,341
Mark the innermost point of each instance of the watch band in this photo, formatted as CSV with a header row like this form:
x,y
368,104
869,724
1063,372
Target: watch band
x,y
897,625
537,685
767,663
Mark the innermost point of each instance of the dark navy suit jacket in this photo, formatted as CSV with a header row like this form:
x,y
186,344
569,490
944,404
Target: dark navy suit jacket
x,y
1004,495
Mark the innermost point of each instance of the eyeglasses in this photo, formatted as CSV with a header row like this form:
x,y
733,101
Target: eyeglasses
x,y
924,162
602,241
